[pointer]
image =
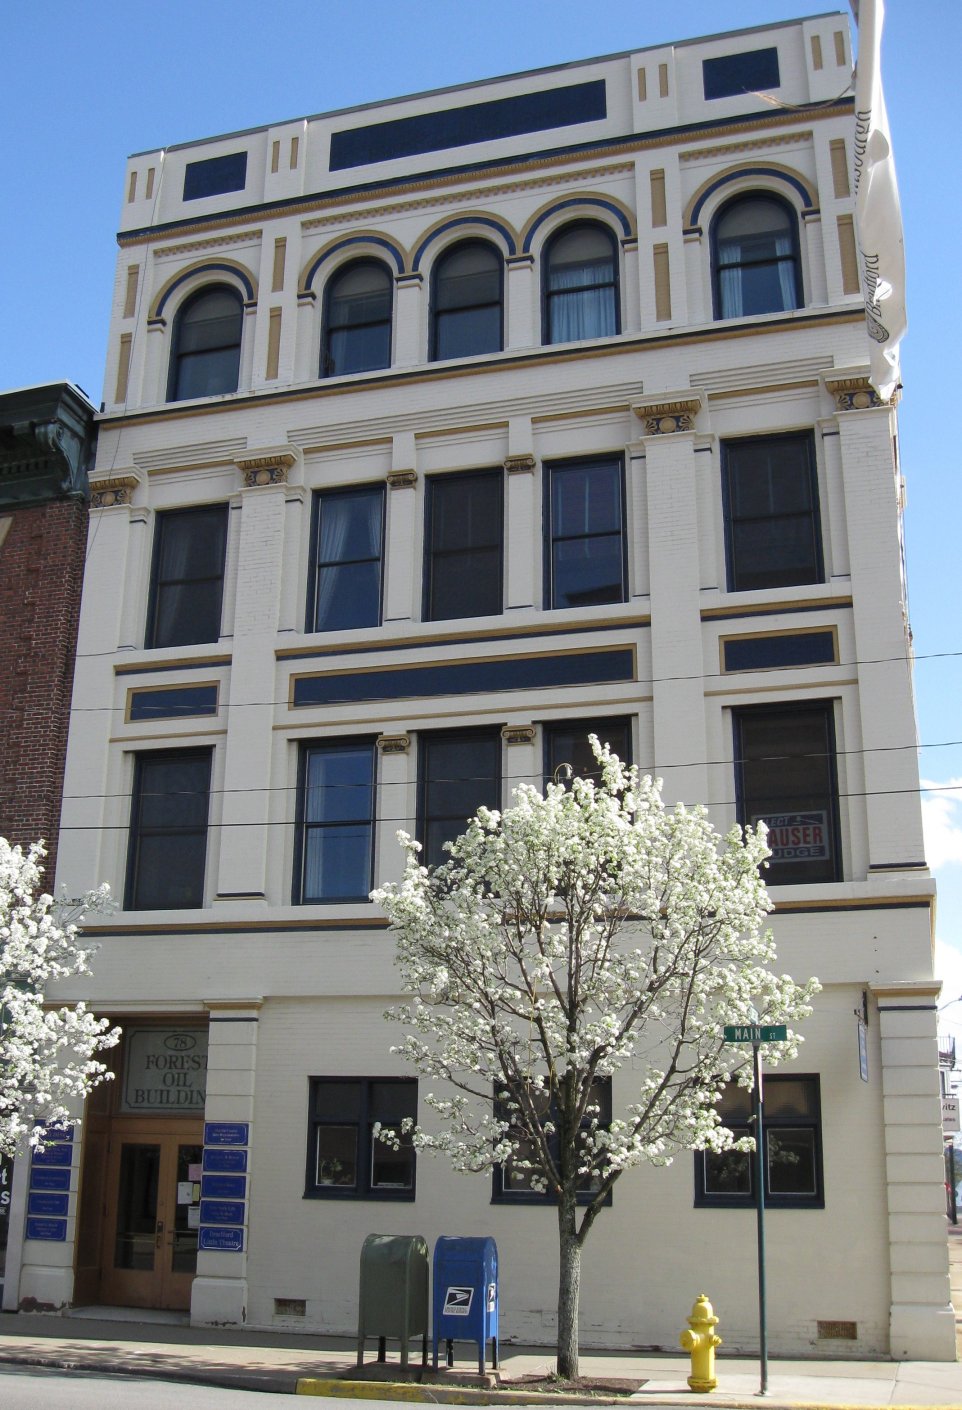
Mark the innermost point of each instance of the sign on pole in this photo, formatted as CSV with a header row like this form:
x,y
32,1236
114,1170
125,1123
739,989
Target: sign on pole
x,y
756,1033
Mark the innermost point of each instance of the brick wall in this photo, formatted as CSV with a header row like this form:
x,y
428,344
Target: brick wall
x,y
41,570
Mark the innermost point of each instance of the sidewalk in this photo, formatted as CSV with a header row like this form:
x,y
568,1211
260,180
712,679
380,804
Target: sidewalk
x,y
275,1361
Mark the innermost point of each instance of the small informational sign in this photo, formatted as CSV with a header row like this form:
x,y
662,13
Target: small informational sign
x,y
798,837
193,1217
492,1296
43,1203
165,1070
226,1133
862,1050
223,1240
43,1177
47,1230
950,1116
756,1033
185,1191
53,1155
194,1171
225,1158
224,1187
221,1211
457,1302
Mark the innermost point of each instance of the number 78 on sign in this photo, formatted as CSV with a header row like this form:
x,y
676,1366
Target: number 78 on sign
x,y
756,1033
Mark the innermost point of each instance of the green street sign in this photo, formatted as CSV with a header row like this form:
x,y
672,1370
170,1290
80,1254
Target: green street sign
x,y
756,1033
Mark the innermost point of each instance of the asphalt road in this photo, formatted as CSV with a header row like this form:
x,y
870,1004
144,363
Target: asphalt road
x,y
34,1388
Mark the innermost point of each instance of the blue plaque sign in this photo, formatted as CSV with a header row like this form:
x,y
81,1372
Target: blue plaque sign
x,y
226,1158
53,1155
224,1240
226,1133
224,1187
47,1204
49,1230
222,1211
49,1178
58,1133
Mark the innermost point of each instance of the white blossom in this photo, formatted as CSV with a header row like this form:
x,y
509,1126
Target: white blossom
x,y
588,932
47,1060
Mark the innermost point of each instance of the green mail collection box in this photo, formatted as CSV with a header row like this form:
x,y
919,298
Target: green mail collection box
x,y
393,1299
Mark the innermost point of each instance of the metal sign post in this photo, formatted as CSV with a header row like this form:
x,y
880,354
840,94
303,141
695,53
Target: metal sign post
x,y
756,1034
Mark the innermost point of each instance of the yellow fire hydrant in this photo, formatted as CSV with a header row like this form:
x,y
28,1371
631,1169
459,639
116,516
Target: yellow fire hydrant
x,y
700,1342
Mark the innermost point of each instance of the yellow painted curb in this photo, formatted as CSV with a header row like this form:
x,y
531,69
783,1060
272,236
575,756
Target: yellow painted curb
x,y
414,1392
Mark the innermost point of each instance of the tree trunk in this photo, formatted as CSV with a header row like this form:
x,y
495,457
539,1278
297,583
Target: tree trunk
x,y
569,1287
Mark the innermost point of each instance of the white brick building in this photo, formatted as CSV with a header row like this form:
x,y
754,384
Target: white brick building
x,y
436,431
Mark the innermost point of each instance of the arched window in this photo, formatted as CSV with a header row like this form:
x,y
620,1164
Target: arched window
x,y
755,258
357,319
205,361
466,302
580,285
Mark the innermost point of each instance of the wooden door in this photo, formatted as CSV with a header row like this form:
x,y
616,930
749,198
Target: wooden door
x,y
149,1252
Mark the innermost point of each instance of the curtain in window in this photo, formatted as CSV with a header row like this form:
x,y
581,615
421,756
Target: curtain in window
x,y
577,312
348,561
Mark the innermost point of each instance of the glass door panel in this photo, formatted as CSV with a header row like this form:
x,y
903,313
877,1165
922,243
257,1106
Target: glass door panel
x,y
183,1256
136,1228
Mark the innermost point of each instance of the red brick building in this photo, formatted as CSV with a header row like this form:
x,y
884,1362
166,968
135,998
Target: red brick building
x,y
46,444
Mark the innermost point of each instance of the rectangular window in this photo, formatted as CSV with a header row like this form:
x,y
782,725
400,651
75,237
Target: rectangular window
x,y
215,175
513,1182
463,567
167,850
731,75
458,773
772,521
781,649
785,776
187,583
347,540
793,1149
585,549
345,1160
335,813
172,702
566,742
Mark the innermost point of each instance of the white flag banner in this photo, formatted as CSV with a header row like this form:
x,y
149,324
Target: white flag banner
x,y
878,214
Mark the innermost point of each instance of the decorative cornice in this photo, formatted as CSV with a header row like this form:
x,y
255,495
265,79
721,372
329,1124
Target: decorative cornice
x,y
215,242
410,278
519,464
517,734
519,261
267,468
782,139
851,392
663,416
108,492
402,479
393,743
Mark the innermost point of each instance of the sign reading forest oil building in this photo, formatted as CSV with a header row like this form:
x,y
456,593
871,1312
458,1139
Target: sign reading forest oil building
x,y
165,1070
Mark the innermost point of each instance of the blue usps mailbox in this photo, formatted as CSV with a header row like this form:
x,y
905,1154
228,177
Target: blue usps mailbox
x,y
466,1296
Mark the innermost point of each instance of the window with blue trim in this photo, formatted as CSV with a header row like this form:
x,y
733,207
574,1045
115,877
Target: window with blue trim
x,y
463,560
517,1181
358,302
466,301
345,1158
772,519
586,562
205,360
755,258
792,1120
459,771
334,853
345,588
581,284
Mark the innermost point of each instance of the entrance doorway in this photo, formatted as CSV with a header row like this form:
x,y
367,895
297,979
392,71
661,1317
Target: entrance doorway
x,y
149,1250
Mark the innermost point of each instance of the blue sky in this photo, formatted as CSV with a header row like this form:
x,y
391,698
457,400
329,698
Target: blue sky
x,y
87,84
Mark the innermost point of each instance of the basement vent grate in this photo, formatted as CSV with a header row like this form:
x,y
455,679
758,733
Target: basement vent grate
x,y
837,1331
290,1307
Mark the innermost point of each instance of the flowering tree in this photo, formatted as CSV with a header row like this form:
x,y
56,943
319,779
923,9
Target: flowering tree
x,y
567,936
46,1055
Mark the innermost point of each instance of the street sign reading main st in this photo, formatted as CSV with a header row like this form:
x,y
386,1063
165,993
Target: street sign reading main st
x,y
756,1033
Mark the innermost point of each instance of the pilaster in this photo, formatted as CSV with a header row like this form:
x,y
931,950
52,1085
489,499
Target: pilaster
x,y
399,552
922,1321
676,649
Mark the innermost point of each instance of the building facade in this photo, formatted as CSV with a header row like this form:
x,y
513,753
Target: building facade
x,y
437,433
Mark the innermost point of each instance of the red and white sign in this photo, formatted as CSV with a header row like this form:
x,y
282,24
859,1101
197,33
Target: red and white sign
x,y
799,837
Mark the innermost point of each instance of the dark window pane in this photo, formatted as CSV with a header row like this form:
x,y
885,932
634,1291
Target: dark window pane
x,y
773,521
347,546
188,576
791,1162
568,744
337,820
785,761
586,564
736,74
465,518
168,831
336,1156
728,1173
392,1169
206,346
215,175
338,1100
459,773
357,334
466,302
137,1207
